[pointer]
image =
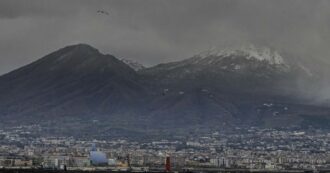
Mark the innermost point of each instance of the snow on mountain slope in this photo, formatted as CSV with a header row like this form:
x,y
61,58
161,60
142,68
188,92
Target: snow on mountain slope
x,y
245,60
133,64
248,52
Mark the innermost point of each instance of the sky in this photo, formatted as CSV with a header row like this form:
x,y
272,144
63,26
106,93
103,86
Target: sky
x,y
158,31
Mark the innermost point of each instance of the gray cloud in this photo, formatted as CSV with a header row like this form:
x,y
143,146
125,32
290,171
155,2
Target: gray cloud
x,y
154,31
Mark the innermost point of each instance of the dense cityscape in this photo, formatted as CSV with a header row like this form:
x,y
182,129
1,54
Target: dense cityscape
x,y
241,148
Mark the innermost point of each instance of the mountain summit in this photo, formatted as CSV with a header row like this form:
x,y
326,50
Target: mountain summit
x,y
249,52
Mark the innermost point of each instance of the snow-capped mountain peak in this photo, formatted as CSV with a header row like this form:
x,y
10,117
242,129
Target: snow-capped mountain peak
x,y
249,52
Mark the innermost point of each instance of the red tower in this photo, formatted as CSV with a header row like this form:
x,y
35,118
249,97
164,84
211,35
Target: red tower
x,y
167,164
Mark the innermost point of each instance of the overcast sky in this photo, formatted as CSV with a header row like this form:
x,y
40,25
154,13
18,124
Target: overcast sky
x,y
154,31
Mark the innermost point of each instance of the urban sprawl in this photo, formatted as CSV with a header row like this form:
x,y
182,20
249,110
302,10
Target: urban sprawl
x,y
242,148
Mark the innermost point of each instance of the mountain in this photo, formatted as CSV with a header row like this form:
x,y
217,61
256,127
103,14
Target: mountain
x,y
79,90
234,85
76,81
229,70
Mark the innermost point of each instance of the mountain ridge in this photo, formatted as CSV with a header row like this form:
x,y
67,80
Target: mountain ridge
x,y
78,82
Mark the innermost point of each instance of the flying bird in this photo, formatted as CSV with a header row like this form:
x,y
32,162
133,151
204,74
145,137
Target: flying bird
x,y
103,12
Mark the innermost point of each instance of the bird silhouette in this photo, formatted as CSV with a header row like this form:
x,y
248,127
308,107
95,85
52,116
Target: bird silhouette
x,y
103,12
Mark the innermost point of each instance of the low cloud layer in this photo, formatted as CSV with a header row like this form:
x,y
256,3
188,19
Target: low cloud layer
x,y
155,31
